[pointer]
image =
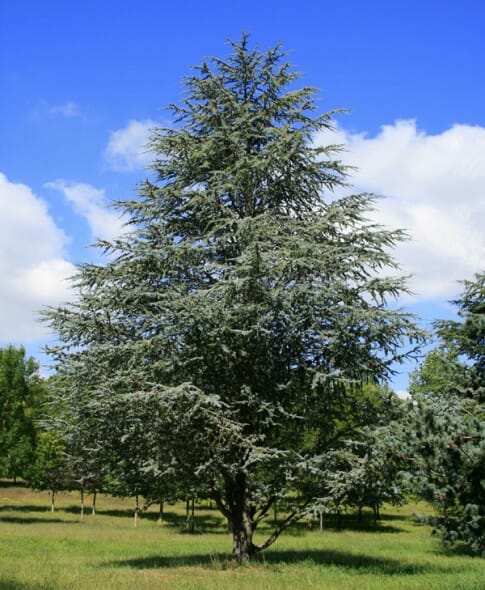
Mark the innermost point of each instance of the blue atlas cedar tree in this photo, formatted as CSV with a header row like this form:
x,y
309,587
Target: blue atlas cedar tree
x,y
445,434
242,306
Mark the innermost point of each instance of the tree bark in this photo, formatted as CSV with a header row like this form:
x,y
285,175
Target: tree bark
x,y
240,516
93,511
190,514
53,496
376,512
137,509
243,518
81,517
242,538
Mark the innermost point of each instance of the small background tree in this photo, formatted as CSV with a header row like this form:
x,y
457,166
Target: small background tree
x,y
22,394
447,430
51,468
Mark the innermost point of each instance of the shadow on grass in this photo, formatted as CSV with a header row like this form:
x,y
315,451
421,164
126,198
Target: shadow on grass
x,y
9,483
458,550
14,585
344,560
24,508
213,523
22,515
346,522
204,523
26,518
216,524
30,520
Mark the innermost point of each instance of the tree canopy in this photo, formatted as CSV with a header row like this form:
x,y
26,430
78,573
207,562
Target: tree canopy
x,y
245,304
21,395
446,432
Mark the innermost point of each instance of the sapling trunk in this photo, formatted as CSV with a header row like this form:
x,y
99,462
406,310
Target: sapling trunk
x,y
93,509
137,509
190,514
81,517
376,512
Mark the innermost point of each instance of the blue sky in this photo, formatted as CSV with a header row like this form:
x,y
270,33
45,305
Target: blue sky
x,y
82,83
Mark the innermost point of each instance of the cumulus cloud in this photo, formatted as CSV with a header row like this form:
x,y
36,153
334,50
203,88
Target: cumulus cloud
x,y
127,147
92,204
33,266
33,269
435,188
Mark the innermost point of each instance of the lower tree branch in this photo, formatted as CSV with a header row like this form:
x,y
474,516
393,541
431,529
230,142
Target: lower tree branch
x,y
294,516
216,496
263,511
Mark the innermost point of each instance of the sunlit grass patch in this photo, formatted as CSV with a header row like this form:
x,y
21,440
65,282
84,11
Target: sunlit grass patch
x,y
44,550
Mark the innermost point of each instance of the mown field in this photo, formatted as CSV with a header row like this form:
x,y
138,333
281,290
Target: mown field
x,y
44,550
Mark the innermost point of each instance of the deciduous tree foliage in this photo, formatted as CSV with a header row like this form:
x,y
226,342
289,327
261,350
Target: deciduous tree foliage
x,y
21,395
51,468
243,302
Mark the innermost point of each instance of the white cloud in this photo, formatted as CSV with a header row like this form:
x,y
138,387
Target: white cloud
x,y
68,110
92,204
32,266
435,186
127,147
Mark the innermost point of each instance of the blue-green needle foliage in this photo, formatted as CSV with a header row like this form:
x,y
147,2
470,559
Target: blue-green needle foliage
x,y
447,430
243,307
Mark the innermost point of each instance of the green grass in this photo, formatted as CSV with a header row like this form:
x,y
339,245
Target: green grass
x,y
44,550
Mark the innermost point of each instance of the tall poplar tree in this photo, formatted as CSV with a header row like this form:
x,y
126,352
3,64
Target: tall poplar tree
x,y
243,306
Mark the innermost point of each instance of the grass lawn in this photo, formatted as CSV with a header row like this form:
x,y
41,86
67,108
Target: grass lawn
x,y
44,550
